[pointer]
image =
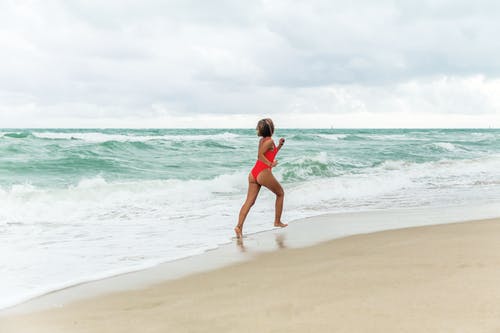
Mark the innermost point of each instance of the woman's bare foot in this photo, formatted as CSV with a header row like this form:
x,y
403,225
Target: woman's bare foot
x,y
280,224
239,233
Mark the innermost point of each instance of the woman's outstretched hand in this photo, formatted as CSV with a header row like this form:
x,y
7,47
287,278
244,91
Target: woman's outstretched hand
x,y
282,141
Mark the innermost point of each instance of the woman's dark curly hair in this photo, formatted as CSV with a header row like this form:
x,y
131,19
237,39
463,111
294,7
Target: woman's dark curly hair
x,y
265,127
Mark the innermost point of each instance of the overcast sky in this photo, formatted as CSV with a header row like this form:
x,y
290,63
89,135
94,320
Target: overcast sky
x,y
229,63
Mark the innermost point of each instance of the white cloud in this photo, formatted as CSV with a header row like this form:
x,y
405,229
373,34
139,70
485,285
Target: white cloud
x,y
182,63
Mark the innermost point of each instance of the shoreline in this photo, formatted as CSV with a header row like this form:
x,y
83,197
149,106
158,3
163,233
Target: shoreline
x,y
426,278
299,234
108,219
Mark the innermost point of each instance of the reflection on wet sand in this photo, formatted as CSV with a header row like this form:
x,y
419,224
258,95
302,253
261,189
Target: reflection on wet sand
x,y
280,241
241,245
279,238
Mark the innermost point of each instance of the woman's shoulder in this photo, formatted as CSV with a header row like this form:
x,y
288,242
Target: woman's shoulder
x,y
268,141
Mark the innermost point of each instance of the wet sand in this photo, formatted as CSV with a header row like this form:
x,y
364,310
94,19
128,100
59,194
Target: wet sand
x,y
442,278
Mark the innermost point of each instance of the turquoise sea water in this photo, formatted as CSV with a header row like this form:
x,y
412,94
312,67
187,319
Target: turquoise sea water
x,y
109,201
60,158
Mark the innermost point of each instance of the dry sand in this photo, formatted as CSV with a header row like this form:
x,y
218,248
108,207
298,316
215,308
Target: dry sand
x,y
442,278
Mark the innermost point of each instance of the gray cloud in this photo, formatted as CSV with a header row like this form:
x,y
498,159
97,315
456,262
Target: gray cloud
x,y
385,42
121,58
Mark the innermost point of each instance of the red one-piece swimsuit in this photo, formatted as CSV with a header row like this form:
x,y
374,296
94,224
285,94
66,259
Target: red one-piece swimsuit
x,y
259,165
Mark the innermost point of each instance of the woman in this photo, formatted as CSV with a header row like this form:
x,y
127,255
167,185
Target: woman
x,y
261,175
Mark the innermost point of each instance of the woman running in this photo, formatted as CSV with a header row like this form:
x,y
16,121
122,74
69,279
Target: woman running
x,y
261,175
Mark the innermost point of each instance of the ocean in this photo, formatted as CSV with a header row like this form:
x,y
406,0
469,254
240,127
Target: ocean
x,y
82,204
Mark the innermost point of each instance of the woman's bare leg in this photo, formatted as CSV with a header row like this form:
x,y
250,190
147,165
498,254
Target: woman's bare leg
x,y
266,178
253,191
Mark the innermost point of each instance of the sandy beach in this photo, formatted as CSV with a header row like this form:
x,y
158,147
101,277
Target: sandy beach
x,y
441,278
